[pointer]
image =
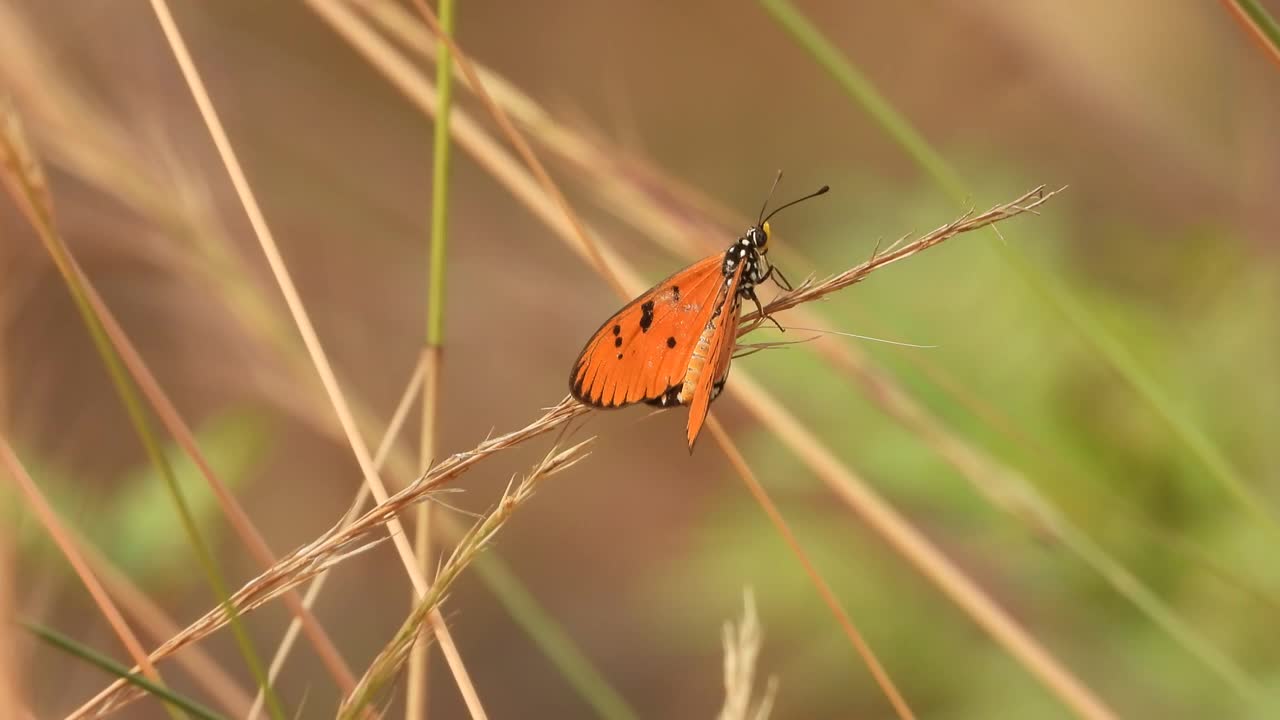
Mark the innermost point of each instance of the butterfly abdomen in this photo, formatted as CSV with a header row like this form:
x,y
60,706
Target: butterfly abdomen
x,y
697,362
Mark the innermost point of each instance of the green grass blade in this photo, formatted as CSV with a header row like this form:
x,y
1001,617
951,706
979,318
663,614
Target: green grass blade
x,y
1266,25
440,184
93,657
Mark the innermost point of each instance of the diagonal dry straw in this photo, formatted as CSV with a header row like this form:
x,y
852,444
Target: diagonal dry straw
x,y
67,545
386,666
312,341
23,176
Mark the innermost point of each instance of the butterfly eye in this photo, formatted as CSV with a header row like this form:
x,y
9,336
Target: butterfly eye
x,y
760,236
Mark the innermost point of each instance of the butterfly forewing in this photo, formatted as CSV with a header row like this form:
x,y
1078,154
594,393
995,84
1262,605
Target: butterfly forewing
x,y
644,349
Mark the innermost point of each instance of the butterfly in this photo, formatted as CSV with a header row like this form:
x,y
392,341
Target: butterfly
x,y
672,345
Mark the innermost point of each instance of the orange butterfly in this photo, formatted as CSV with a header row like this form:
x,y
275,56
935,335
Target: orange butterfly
x,y
673,344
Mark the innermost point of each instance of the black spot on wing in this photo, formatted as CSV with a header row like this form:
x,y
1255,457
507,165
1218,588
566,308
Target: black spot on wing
x,y
671,342
617,329
617,342
675,293
646,316
619,356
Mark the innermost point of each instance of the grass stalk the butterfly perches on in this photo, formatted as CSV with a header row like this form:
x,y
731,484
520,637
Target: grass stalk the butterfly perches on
x,y
306,328
433,347
337,544
1045,288
24,178
922,554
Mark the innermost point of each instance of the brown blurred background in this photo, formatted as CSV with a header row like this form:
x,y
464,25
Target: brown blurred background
x,y
1160,117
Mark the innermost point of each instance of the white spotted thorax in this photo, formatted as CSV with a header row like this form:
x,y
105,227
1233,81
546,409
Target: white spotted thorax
x,y
749,250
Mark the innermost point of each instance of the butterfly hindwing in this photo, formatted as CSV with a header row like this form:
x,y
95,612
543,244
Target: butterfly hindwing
x,y
643,350
721,337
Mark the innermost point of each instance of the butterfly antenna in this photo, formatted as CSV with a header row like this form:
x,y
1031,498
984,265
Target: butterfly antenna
x,y
813,194
760,218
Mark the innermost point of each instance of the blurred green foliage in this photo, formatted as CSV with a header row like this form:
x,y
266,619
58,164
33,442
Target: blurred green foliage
x,y
1098,454
133,522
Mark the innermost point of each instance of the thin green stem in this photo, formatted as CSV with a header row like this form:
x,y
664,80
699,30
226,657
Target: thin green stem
x,y
416,688
1265,23
440,184
93,657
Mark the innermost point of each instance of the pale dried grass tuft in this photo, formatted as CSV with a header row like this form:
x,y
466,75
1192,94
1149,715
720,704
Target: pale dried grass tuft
x,y
742,643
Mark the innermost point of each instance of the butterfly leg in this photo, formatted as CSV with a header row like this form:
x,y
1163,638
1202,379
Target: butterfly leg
x,y
751,293
778,277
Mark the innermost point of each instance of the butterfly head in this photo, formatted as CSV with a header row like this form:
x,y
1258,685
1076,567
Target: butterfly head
x,y
757,237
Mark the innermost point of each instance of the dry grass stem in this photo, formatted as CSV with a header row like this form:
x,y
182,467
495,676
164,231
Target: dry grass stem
x,y
334,546
809,291
386,666
394,427
856,639
11,676
25,180
199,665
67,545
310,338
742,644
924,556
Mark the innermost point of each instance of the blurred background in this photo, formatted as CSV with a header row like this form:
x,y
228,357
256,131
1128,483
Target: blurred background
x,y
1160,117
